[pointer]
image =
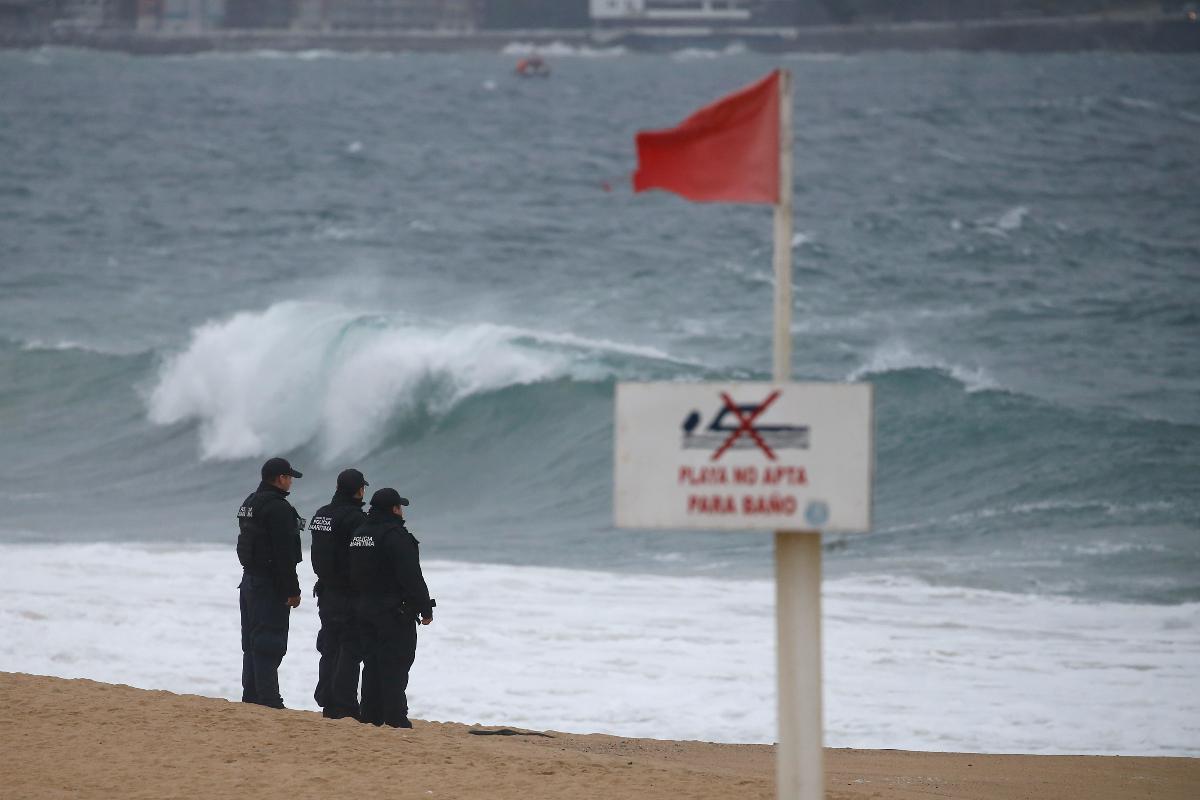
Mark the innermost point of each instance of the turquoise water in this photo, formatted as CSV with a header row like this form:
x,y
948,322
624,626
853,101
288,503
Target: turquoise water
x,y
1006,246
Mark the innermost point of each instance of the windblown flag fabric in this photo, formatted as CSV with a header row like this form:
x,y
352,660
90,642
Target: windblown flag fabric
x,y
727,152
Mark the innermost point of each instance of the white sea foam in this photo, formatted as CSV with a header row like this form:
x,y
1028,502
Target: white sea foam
x,y
64,345
1053,506
300,373
800,238
1139,104
1011,220
1064,507
33,345
560,50
338,233
607,345
274,54
877,319
818,58
949,155
1104,547
1041,506
896,355
906,665
705,53
749,274
314,54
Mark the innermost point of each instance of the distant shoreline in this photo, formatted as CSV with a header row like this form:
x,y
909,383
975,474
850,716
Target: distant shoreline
x,y
1063,34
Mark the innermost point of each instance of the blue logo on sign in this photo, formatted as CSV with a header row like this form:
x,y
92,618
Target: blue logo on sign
x,y
817,513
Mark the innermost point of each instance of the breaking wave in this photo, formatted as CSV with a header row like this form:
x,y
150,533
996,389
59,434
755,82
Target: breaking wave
x,y
895,356
304,373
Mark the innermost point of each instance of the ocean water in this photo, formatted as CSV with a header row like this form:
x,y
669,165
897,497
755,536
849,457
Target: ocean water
x,y
424,267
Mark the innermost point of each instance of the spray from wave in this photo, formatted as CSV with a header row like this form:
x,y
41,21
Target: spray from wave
x,y
306,373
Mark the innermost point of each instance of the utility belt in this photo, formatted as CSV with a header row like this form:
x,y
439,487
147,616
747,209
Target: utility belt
x,y
408,609
403,608
265,575
328,587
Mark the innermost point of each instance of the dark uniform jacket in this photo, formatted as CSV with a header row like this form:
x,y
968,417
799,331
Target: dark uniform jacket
x,y
385,564
269,538
331,528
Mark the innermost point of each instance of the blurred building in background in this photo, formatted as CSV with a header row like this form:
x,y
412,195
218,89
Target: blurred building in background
x,y
272,14
674,12
23,15
362,15
91,13
753,13
881,11
192,16
183,16
180,16
530,14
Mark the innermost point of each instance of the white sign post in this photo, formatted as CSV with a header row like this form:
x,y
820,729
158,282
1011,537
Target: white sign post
x,y
794,458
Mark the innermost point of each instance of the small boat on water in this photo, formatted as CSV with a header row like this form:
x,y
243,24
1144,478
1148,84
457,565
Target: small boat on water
x,y
533,67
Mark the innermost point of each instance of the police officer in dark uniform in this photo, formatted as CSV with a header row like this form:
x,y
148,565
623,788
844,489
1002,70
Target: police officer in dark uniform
x,y
385,570
331,528
269,548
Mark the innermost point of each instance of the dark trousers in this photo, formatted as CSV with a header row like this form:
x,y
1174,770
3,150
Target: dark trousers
x,y
387,641
265,618
336,610
342,692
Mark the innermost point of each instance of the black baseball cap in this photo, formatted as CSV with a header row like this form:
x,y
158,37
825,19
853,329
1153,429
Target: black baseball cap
x,y
388,498
351,480
278,466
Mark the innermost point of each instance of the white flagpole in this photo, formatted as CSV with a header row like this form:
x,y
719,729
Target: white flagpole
x,y
783,235
799,755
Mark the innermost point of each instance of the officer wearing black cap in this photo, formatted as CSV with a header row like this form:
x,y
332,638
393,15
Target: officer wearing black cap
x,y
269,548
385,570
331,528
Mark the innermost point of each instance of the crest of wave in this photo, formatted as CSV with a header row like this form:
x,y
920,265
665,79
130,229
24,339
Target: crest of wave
x,y
297,373
895,355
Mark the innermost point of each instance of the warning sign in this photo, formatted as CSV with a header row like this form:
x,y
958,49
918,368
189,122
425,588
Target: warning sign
x,y
744,456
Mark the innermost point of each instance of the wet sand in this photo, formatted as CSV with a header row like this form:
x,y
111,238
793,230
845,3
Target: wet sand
x,y
82,739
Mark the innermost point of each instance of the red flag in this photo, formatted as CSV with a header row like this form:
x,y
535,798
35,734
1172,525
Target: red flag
x,y
725,152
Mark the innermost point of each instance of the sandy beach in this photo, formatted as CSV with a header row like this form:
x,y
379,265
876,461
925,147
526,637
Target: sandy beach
x,y
82,739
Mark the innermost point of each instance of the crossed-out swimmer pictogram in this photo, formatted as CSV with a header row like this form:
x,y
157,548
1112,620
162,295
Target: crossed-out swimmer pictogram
x,y
746,424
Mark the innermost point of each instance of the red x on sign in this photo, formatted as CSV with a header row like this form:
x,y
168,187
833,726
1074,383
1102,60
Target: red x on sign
x,y
746,424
